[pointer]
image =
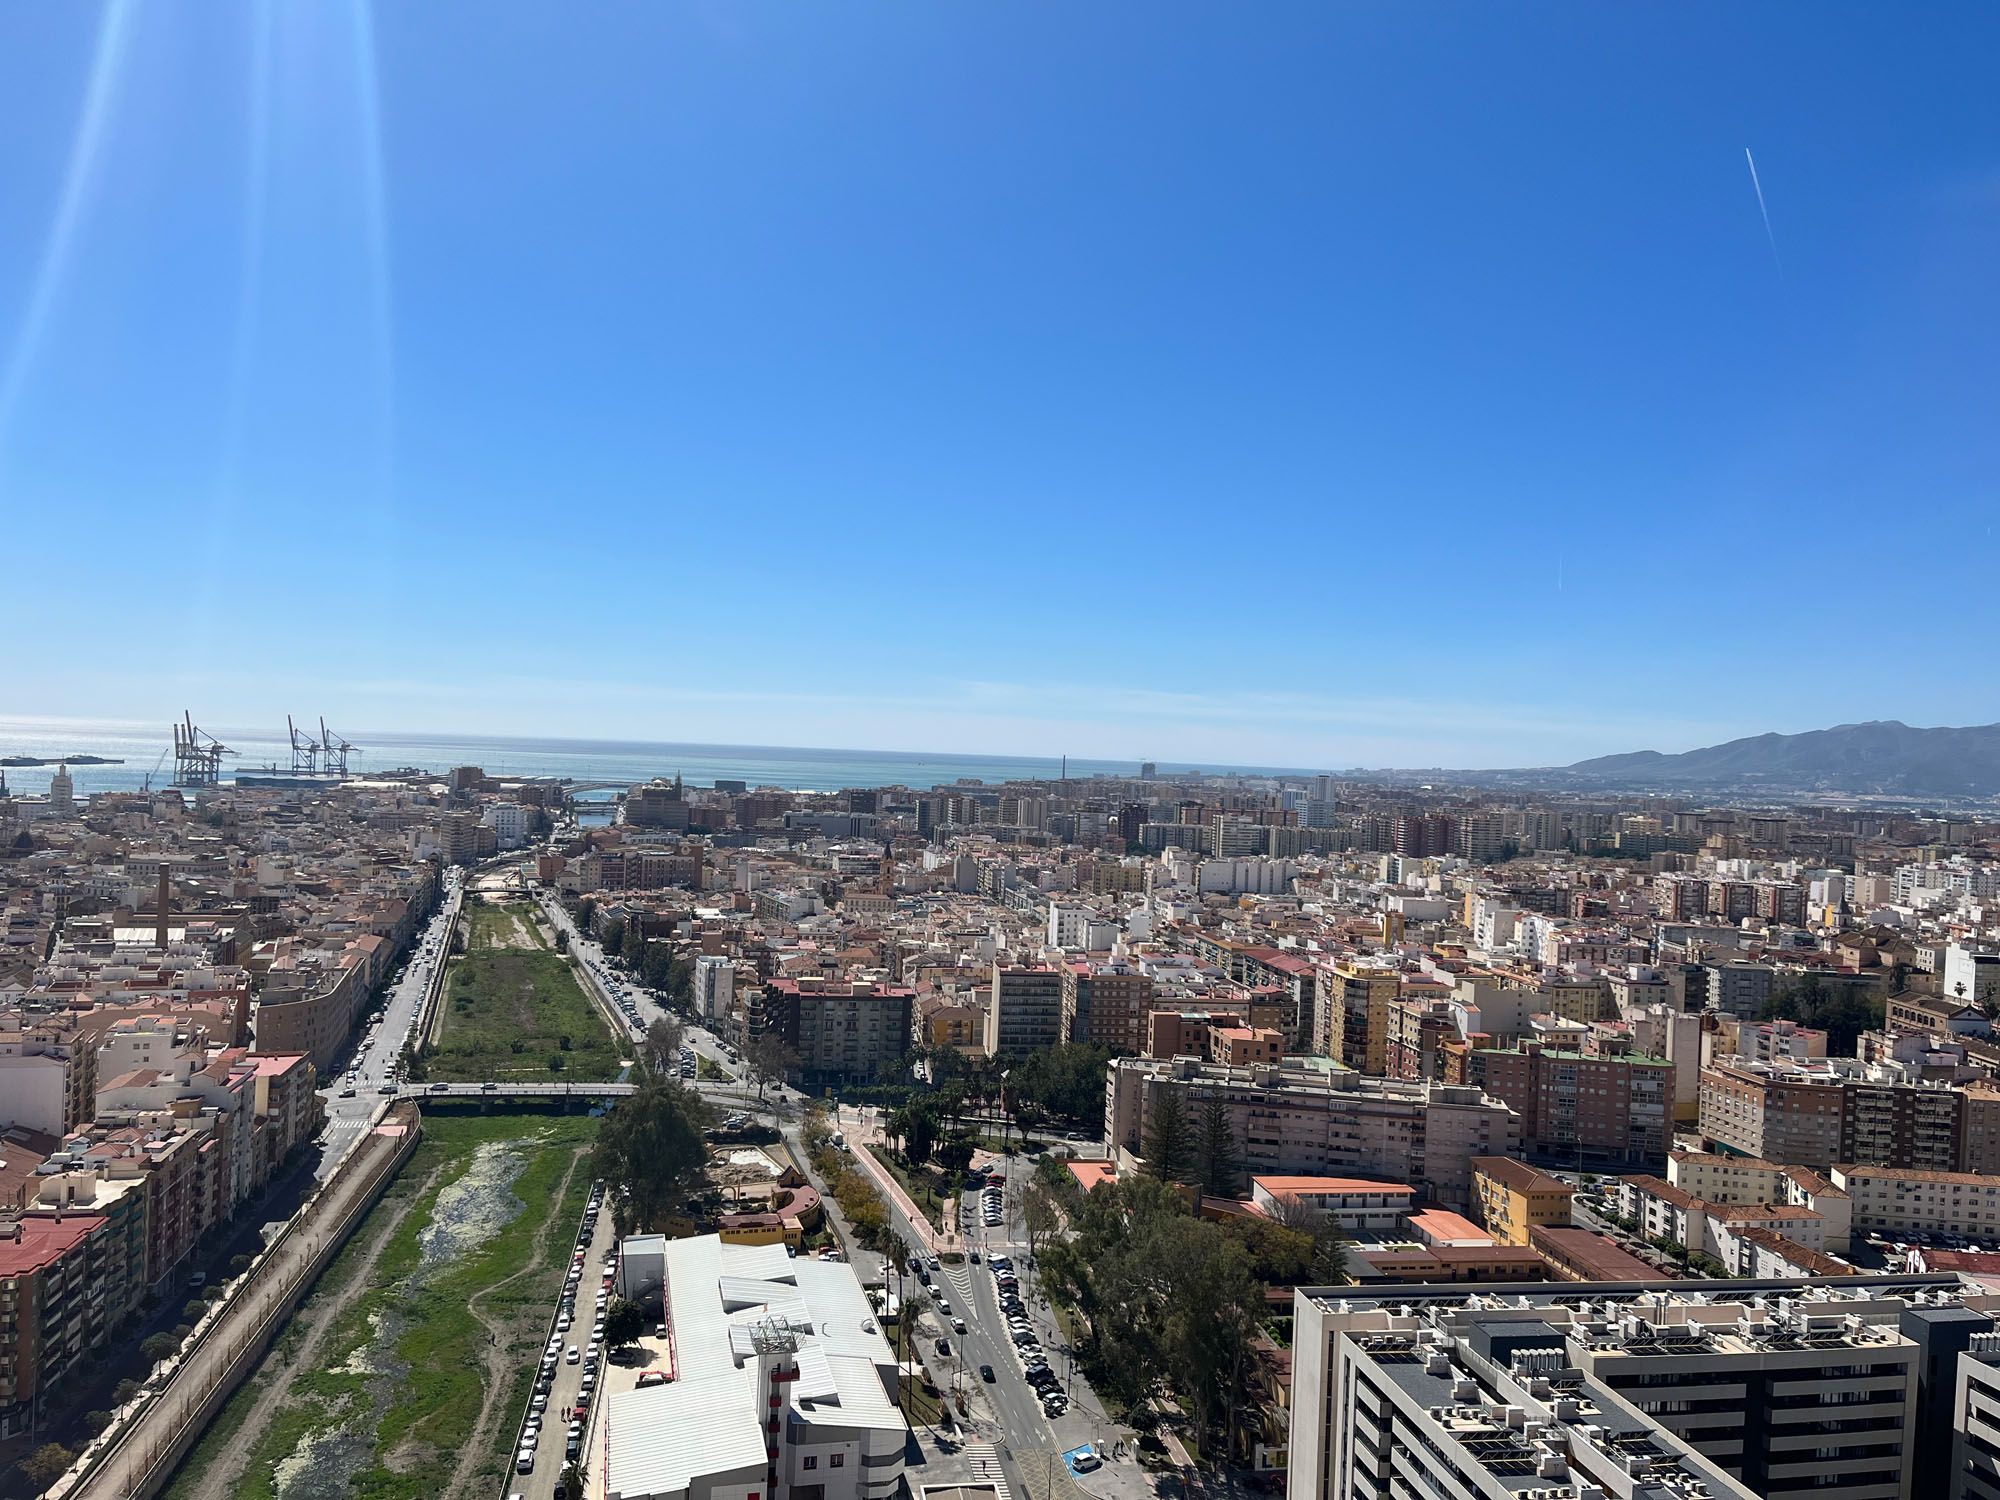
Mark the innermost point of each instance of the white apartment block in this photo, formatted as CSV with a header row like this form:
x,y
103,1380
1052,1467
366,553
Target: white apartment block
x,y
1976,1422
1639,1391
1905,1200
714,987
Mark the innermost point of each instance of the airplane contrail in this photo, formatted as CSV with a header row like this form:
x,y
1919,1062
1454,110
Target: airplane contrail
x,y
1758,188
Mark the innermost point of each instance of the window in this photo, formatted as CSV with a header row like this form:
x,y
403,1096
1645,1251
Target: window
x,y
836,1460
810,1461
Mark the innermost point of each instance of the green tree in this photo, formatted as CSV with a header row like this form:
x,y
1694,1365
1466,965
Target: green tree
x,y
48,1463
1170,1144
1328,1265
916,1127
680,983
954,1153
97,1421
623,1323
124,1391
651,1145
662,1045
1064,1081
816,1128
769,1060
586,910
613,940
1216,1165
1039,1215
1839,1010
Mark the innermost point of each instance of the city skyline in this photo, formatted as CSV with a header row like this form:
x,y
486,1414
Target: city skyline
x,y
1309,393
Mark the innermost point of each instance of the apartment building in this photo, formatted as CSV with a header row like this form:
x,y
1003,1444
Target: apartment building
x,y
1387,1405
1245,1046
1715,1179
48,1074
1302,1119
1024,1013
311,1008
1420,1027
1108,1004
57,1307
1351,1016
714,988
958,1026
1773,1113
1975,1428
1838,1111
1510,1198
1673,1391
840,1031
1578,1108
1908,1200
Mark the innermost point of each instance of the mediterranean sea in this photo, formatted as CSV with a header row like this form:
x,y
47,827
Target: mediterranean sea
x,y
148,752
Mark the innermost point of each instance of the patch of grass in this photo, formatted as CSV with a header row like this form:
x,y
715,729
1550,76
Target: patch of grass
x,y
708,1070
510,1013
928,1189
502,926
442,1346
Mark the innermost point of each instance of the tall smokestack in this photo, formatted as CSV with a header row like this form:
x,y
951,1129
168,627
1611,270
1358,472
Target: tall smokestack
x,y
165,899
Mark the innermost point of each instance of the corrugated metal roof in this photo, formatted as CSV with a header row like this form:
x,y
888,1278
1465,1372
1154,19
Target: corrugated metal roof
x,y
705,1422
662,1437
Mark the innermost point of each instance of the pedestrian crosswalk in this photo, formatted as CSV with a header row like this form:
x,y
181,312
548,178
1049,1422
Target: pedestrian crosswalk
x,y
984,1461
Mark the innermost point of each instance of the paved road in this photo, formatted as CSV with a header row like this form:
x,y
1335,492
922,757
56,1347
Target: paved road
x,y
541,1483
1005,1414
611,983
987,1341
381,1044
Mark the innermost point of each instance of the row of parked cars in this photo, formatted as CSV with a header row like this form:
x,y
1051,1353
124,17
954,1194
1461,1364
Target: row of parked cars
x,y
557,1353
1034,1364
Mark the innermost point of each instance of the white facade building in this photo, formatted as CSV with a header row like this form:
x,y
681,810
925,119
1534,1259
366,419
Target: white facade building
x,y
784,1385
714,987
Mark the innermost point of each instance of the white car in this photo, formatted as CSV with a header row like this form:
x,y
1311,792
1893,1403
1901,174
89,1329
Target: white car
x,y
572,1355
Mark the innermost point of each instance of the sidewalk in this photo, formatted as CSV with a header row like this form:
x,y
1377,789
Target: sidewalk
x,y
865,1136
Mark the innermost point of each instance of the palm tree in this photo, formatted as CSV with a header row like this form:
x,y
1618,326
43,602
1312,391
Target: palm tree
x,y
898,1255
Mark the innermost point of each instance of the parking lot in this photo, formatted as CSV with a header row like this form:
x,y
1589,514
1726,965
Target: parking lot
x,y
556,1429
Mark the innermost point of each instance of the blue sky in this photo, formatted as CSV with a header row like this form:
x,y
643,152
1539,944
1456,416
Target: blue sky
x,y
1291,384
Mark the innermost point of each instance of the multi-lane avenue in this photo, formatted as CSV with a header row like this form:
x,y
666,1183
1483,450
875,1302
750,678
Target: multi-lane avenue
x,y
353,1096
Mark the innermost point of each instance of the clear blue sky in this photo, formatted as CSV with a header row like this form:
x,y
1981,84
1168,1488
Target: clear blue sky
x,y
1291,384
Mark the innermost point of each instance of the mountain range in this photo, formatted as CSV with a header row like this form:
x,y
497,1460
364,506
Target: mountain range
x,y
1883,757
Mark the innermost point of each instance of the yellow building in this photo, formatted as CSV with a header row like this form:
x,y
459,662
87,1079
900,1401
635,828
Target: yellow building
x,y
1352,1022
960,1026
1512,1199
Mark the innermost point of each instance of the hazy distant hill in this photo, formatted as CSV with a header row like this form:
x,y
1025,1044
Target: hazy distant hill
x,y
1883,755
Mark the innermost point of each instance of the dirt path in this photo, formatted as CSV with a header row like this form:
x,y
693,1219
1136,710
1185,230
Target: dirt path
x,y
220,1480
501,1358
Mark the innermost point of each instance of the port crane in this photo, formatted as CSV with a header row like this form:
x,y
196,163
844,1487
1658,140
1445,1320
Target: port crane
x,y
197,754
